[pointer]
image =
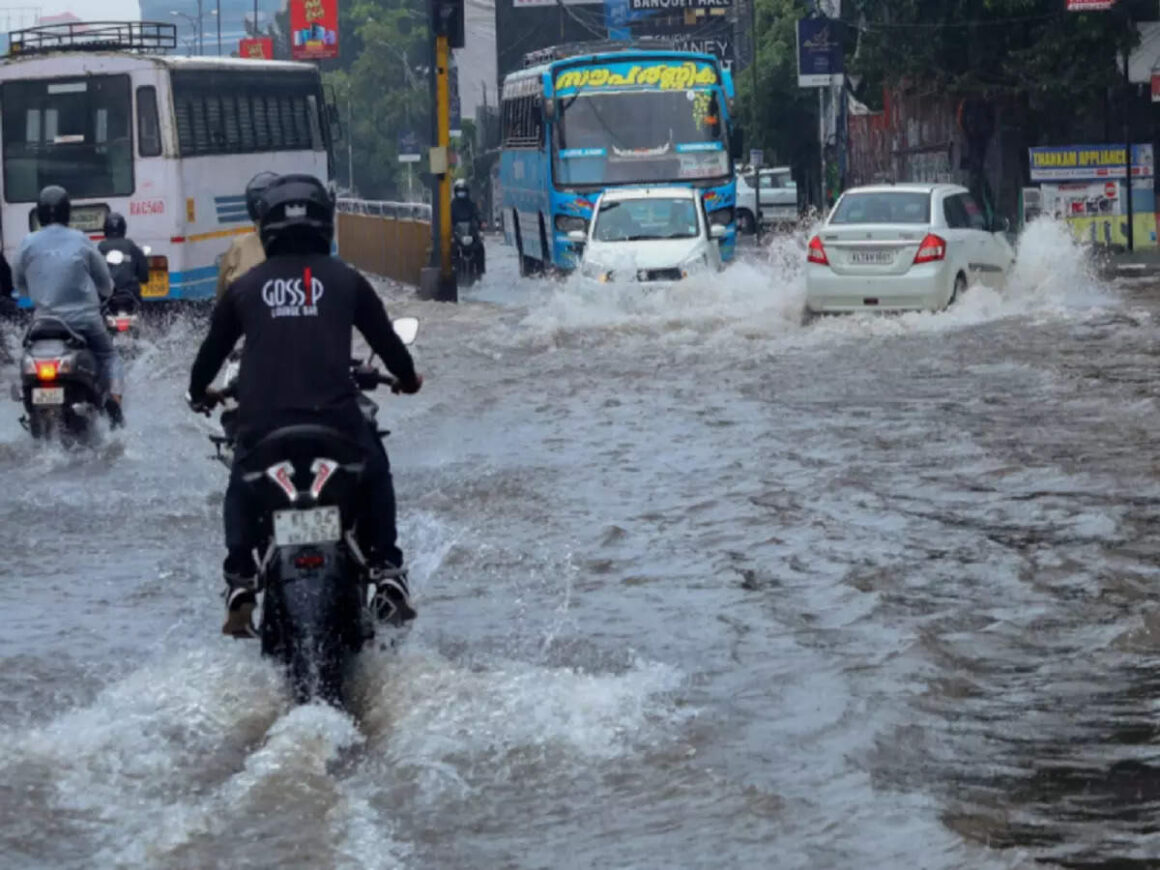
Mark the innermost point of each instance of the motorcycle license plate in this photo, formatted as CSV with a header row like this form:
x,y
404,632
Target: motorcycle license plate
x,y
48,395
321,525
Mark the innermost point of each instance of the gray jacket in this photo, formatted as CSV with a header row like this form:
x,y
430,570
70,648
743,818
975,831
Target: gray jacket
x,y
63,274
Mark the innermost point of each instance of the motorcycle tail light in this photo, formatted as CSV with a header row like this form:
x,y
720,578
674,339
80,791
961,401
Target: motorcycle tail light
x,y
310,560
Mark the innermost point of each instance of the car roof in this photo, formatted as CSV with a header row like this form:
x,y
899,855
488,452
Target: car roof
x,y
907,187
620,193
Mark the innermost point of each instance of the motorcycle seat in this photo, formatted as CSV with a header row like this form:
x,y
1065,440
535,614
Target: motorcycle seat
x,y
301,445
47,328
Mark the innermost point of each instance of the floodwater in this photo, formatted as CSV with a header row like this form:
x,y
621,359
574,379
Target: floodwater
x,y
698,587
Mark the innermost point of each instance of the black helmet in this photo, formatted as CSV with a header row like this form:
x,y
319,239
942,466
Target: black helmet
x,y
460,187
254,191
297,216
53,206
115,227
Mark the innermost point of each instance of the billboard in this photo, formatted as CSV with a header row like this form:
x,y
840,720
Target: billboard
x,y
1088,162
1089,5
261,48
820,59
313,29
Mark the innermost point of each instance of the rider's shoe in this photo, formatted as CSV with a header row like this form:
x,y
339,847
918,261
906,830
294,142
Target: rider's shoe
x,y
241,598
390,595
116,414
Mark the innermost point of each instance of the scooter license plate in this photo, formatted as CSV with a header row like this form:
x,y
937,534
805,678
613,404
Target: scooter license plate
x,y
48,395
321,525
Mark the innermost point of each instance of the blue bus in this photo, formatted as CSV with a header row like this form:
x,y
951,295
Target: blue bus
x,y
575,125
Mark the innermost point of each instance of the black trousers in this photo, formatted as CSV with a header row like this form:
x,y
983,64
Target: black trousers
x,y
374,530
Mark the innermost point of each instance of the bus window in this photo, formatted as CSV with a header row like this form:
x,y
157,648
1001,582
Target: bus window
x,y
314,119
148,127
76,133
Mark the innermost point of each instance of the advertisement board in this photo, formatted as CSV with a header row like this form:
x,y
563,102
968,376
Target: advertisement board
x,y
820,59
261,48
313,29
1090,5
1088,162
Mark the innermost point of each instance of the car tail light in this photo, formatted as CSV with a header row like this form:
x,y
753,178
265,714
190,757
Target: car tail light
x,y
817,252
932,248
46,369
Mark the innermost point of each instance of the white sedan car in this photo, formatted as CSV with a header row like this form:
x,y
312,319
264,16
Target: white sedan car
x,y
903,247
649,234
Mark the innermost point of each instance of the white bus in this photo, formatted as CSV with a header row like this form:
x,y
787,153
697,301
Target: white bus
x,y
169,142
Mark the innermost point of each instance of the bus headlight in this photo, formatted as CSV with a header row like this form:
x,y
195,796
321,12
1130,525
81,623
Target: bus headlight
x,y
567,223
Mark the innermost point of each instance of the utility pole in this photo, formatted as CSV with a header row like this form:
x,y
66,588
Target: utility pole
x,y
349,140
756,118
219,27
1131,234
446,27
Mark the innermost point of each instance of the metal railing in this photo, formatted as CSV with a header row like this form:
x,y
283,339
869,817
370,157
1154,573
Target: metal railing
x,y
414,211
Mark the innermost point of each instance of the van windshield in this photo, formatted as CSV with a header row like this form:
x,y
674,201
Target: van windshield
x,y
73,132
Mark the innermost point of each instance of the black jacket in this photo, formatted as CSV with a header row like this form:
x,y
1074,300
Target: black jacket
x,y
463,211
132,272
296,313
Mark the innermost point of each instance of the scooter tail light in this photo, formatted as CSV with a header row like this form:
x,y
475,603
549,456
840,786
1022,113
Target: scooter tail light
x,y
282,474
47,369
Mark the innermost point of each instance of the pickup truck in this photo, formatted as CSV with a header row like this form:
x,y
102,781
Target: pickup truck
x,y
779,202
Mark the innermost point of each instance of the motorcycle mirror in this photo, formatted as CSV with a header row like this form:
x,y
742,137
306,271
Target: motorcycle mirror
x,y
147,250
406,328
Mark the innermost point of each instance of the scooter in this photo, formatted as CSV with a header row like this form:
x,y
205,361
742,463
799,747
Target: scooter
x,y
59,384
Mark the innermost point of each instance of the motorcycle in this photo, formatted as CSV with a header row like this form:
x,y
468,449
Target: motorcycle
x,y
463,254
121,311
121,316
59,383
312,576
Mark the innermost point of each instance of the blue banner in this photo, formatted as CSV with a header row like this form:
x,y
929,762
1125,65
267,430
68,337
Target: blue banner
x,y
616,18
820,61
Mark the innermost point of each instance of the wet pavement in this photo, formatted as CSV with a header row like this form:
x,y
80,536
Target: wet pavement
x,y
698,587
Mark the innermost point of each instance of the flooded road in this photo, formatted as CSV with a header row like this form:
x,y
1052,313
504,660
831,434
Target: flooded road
x,y
698,586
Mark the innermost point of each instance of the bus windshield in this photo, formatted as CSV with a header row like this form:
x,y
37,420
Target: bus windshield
x,y
71,132
639,137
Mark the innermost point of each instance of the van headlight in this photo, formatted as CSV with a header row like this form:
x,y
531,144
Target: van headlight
x,y
597,272
693,265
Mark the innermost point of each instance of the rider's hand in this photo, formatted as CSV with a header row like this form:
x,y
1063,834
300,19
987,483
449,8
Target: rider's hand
x,y
203,404
408,387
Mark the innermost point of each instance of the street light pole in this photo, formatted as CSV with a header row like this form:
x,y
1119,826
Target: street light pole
x,y
756,115
218,13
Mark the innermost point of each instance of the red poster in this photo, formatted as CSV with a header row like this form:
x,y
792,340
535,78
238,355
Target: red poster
x,y
257,49
313,29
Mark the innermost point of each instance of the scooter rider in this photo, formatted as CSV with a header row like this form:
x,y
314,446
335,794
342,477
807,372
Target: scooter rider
x,y
66,278
296,311
246,251
464,211
128,265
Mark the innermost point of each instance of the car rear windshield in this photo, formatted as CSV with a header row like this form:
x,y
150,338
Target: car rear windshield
x,y
892,207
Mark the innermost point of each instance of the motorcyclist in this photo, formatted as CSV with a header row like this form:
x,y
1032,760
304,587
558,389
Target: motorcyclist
x,y
66,278
296,369
245,252
464,211
128,265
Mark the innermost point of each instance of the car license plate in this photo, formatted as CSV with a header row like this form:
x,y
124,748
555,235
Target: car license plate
x,y
320,525
871,258
48,395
